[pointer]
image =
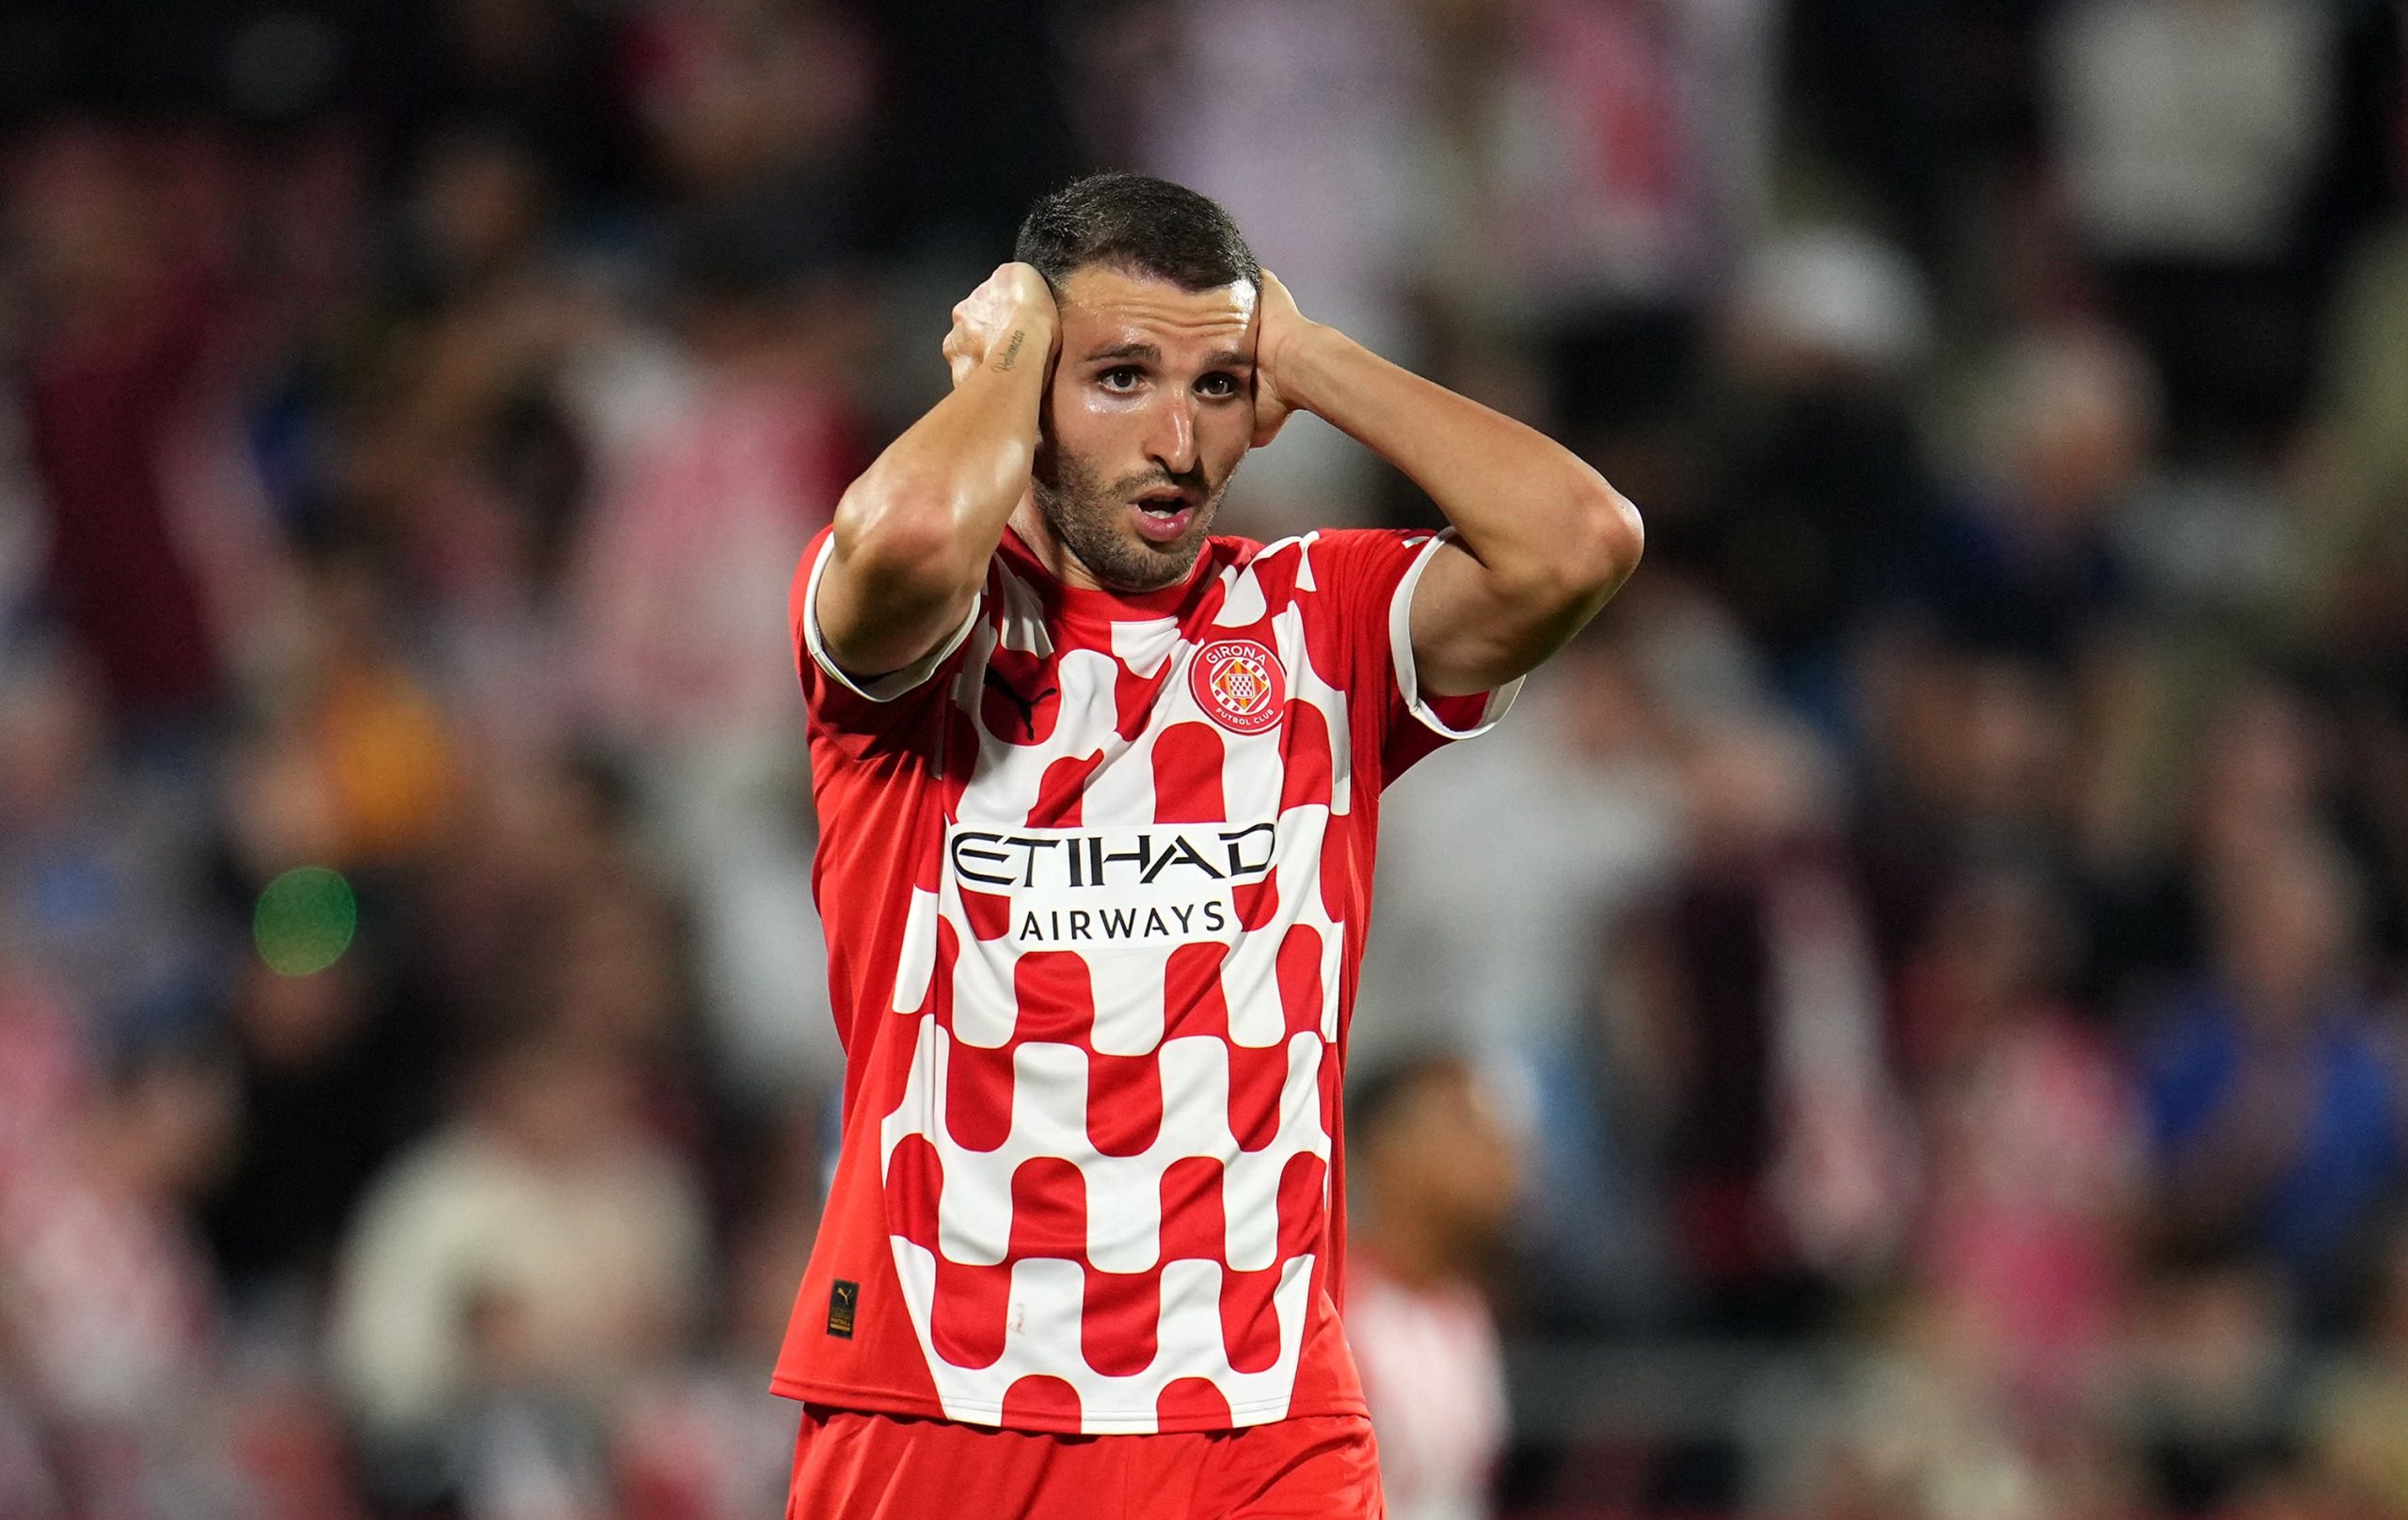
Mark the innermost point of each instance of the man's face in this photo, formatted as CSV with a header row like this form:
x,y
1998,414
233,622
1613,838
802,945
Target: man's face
x,y
1150,409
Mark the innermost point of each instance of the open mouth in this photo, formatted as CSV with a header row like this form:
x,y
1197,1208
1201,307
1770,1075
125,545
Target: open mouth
x,y
1162,516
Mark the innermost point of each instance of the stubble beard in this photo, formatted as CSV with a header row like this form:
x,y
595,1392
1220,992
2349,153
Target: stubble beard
x,y
1087,515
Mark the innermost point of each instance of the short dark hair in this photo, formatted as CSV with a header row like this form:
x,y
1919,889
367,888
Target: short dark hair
x,y
1380,1099
1139,223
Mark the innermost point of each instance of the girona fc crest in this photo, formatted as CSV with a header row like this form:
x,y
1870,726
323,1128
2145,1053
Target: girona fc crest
x,y
1241,682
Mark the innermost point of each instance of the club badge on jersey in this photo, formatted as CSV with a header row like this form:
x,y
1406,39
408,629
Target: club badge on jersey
x,y
1240,683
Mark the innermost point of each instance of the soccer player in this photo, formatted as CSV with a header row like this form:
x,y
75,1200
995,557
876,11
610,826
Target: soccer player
x,y
1098,795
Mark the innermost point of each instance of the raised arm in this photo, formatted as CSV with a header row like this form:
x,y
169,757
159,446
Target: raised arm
x,y
914,532
1542,542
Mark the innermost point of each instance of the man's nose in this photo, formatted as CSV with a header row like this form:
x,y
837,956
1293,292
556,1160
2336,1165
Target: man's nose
x,y
1173,444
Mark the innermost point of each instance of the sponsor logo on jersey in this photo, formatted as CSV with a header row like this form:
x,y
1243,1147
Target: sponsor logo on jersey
x,y
1241,682
1132,884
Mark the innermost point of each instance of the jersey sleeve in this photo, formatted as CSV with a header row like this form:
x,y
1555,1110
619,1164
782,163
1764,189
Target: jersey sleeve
x,y
844,704
1372,573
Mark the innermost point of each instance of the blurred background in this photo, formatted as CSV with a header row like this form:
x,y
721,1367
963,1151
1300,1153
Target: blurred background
x,y
1905,1021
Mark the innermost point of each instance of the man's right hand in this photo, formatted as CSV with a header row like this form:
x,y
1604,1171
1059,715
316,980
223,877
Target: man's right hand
x,y
1009,321
915,533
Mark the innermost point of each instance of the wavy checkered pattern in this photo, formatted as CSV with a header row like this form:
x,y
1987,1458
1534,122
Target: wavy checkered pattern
x,y
1100,1088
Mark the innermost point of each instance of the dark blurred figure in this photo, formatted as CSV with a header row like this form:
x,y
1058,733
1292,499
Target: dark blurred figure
x,y
2214,158
530,835
1819,491
334,1077
111,1314
358,767
507,1277
2349,600
451,461
127,313
697,1441
97,873
1970,757
2261,759
2032,1140
544,72
1436,1176
1788,1160
1927,109
2353,594
760,117
2358,1422
1531,971
2024,558
2214,1380
939,184
2358,1429
2273,1095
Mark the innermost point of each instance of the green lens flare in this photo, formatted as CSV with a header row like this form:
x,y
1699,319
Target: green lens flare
x,y
305,919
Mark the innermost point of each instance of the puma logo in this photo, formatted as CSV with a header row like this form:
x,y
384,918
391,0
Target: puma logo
x,y
1027,705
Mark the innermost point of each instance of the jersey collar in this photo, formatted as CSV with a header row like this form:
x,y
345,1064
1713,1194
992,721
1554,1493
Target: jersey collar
x,y
1098,605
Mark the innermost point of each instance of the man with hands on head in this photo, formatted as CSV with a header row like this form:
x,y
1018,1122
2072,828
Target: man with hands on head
x,y
1098,795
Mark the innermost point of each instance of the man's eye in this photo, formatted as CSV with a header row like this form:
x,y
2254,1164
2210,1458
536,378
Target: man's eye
x,y
1218,384
1123,378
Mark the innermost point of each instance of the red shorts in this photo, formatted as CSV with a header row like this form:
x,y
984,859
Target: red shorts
x,y
850,1464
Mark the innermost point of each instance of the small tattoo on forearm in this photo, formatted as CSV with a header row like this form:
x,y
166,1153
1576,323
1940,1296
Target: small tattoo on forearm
x,y
1011,352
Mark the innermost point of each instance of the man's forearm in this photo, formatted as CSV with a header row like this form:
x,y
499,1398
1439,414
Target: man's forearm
x,y
940,492
1526,507
914,532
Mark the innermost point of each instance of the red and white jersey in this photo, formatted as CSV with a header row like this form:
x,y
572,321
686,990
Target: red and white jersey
x,y
1095,878
1435,1373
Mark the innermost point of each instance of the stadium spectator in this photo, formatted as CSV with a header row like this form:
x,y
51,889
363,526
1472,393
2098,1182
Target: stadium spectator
x,y
2032,1144
2273,1102
2025,556
110,1313
512,1271
2190,139
335,1075
1435,1181
1530,971
130,310
101,882
1817,487
1785,1156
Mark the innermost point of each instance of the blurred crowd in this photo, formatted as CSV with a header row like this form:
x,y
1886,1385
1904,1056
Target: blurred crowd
x,y
1952,910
